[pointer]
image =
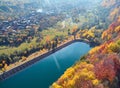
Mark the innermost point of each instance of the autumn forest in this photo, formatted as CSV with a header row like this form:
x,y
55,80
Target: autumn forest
x,y
31,28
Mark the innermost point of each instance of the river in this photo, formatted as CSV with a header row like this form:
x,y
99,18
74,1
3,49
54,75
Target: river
x,y
43,73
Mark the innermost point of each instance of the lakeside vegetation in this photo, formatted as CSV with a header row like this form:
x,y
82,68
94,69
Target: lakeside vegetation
x,y
48,41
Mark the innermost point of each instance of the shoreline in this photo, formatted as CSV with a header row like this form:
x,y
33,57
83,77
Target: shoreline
x,y
39,57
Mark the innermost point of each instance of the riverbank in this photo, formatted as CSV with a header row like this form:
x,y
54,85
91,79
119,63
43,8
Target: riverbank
x,y
19,66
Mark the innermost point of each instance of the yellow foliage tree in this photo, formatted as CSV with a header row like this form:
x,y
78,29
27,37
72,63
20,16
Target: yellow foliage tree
x,y
104,34
94,50
77,72
117,29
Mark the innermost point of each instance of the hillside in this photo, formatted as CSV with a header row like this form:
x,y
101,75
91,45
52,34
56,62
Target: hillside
x,y
13,8
114,8
101,14
100,68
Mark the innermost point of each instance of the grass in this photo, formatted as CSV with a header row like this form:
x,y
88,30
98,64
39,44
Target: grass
x,y
22,47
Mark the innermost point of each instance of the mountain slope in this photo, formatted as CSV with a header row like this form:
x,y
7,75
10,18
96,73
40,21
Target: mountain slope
x,y
100,68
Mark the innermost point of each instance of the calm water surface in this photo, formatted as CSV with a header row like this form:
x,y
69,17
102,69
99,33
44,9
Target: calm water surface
x,y
43,73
